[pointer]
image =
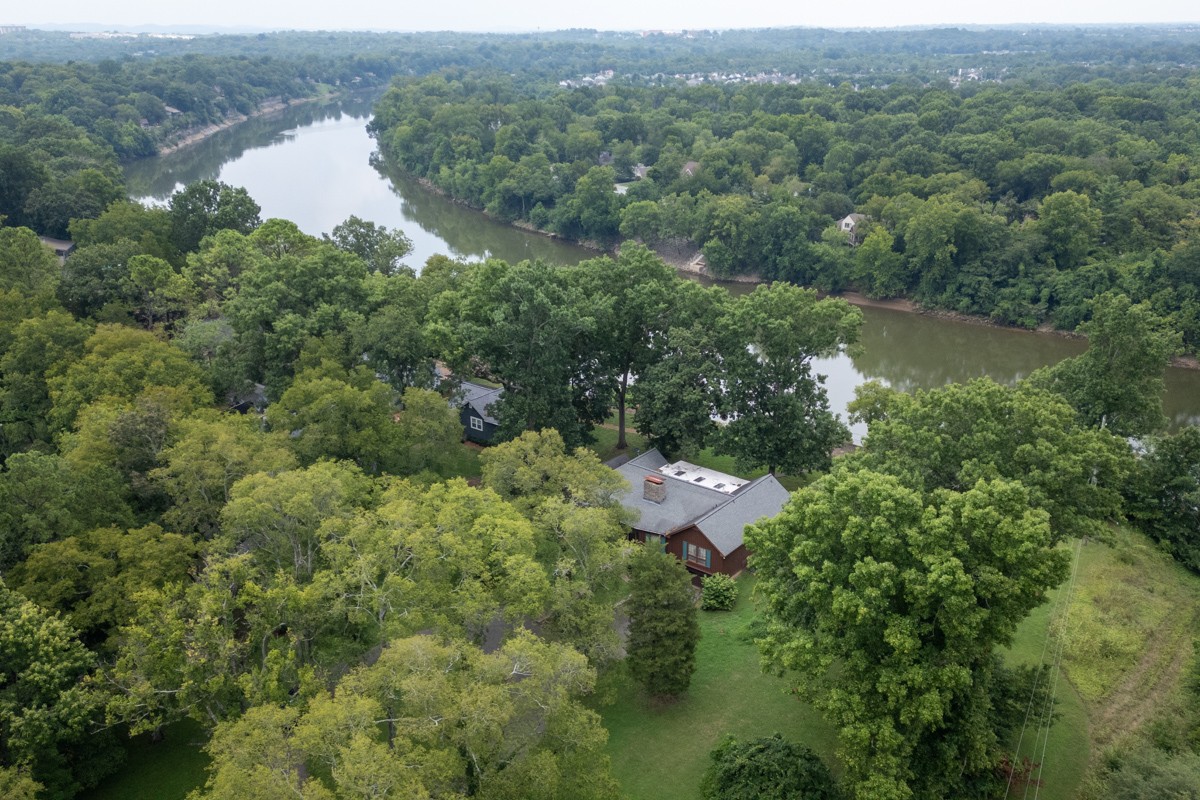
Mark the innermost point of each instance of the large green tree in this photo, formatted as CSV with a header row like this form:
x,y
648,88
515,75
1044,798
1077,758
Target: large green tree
x,y
574,503
535,330
888,604
431,718
48,709
1118,383
777,410
951,437
1164,497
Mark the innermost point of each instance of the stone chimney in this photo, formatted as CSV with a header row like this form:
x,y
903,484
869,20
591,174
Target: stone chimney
x,y
654,489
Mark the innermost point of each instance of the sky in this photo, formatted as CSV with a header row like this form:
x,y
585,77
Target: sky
x,y
527,15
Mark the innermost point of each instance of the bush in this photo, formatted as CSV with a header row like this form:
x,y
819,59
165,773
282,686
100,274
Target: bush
x,y
770,768
720,593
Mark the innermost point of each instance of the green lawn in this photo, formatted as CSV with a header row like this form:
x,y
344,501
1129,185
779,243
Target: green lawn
x,y
165,770
465,462
659,752
1064,756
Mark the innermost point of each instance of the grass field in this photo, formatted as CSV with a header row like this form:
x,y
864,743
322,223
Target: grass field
x,y
1064,755
660,751
165,770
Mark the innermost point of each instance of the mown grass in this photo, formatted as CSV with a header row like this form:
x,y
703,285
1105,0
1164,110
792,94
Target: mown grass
x,y
660,751
164,770
1062,753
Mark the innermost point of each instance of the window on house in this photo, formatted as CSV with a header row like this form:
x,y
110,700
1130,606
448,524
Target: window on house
x,y
700,556
657,542
476,424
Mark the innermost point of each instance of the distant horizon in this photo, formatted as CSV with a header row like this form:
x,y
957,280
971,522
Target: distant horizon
x,y
616,16
219,30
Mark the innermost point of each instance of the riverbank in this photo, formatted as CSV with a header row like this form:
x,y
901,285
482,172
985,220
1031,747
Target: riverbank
x,y
193,136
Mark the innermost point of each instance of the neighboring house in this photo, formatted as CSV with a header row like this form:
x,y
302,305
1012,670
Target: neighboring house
x,y
849,225
476,401
689,169
697,514
61,247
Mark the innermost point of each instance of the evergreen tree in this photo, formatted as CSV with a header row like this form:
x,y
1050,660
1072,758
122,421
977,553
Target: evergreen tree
x,y
662,623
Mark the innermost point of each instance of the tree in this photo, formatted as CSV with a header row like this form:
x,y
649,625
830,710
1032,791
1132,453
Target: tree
x,y
279,518
92,578
330,413
28,265
1164,497
42,348
663,630
211,454
44,497
536,466
205,207
381,249
1117,384
534,329
47,707
644,292
777,409
301,289
428,432
1071,227
888,605
159,294
574,502
678,396
429,719
120,363
770,768
949,438
878,268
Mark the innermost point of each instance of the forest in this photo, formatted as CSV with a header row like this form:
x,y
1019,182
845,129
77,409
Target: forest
x,y
235,495
1018,201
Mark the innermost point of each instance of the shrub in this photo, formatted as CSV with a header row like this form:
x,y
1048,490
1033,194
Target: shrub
x,y
720,593
770,768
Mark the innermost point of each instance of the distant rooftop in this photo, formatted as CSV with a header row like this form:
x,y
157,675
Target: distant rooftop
x,y
701,476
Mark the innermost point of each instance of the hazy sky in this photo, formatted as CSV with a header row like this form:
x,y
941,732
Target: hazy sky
x,y
476,15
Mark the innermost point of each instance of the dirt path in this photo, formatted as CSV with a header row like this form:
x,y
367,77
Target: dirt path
x,y
1140,694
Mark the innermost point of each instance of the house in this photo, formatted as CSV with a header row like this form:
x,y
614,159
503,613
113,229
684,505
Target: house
x,y
689,169
475,405
849,225
61,247
697,514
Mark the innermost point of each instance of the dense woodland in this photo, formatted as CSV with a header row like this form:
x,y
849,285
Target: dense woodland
x,y
315,584
1020,201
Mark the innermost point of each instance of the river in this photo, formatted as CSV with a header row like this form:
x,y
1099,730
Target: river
x,y
310,164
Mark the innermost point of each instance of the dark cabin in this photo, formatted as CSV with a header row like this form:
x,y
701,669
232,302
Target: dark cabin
x,y
697,514
479,425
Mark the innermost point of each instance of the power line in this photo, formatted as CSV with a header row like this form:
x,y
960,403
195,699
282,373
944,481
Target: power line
x,y
1055,610
1048,715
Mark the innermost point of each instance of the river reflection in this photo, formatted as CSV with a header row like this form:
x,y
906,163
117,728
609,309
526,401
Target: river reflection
x,y
311,164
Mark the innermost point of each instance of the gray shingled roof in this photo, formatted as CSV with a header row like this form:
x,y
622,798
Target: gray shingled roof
x,y
720,517
764,497
480,398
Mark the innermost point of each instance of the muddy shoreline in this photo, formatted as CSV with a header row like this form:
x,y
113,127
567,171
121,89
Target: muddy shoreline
x,y
196,135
